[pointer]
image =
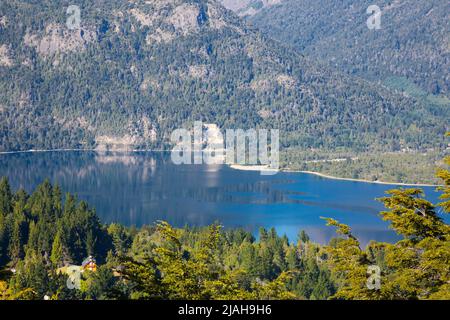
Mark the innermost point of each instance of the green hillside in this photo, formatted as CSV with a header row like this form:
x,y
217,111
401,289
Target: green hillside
x,y
137,70
413,43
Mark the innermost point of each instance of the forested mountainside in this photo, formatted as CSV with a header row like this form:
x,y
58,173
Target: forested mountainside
x,y
410,53
136,70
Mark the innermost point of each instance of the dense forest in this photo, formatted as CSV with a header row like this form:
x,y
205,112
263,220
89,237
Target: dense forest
x,y
409,53
136,70
391,167
41,235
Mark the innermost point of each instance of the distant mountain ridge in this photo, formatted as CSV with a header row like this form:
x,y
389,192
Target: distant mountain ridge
x,y
137,70
410,52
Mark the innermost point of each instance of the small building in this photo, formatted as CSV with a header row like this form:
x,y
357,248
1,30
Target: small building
x,y
89,264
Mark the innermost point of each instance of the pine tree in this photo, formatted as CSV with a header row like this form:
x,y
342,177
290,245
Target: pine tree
x,y
5,210
33,237
263,235
292,258
414,268
444,175
41,201
57,251
90,243
411,215
303,237
120,238
3,239
32,274
5,197
57,204
19,228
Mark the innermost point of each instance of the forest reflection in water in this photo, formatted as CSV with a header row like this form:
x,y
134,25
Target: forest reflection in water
x,y
142,187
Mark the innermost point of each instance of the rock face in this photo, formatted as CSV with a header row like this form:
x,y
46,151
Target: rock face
x,y
5,59
58,39
138,133
186,18
236,5
248,7
3,21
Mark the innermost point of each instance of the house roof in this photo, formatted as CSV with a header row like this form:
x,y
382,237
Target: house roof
x,y
89,260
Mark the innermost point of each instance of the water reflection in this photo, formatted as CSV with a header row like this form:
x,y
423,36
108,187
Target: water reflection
x,y
140,188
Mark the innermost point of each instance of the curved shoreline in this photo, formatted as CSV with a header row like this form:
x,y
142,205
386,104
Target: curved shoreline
x,y
368,181
322,175
239,167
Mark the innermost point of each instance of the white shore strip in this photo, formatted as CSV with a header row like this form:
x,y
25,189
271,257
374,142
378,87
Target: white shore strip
x,y
264,168
96,150
43,150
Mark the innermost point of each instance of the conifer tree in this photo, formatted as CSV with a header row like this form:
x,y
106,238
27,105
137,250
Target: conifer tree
x,y
57,251
5,197
5,210
416,267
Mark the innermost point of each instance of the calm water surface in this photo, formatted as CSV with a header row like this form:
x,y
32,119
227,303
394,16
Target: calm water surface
x,y
141,188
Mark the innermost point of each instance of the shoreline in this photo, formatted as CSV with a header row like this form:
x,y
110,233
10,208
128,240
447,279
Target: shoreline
x,y
322,175
237,167
368,181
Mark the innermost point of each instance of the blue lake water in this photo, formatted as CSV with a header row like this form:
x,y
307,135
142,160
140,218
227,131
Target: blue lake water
x,y
143,187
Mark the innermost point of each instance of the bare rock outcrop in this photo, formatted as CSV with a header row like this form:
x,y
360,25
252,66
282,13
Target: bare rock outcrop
x,y
59,39
5,58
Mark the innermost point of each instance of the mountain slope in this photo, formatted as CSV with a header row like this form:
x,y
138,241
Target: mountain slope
x,y
410,52
136,70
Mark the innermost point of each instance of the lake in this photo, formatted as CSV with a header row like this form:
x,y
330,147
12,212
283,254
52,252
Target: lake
x,y
142,187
